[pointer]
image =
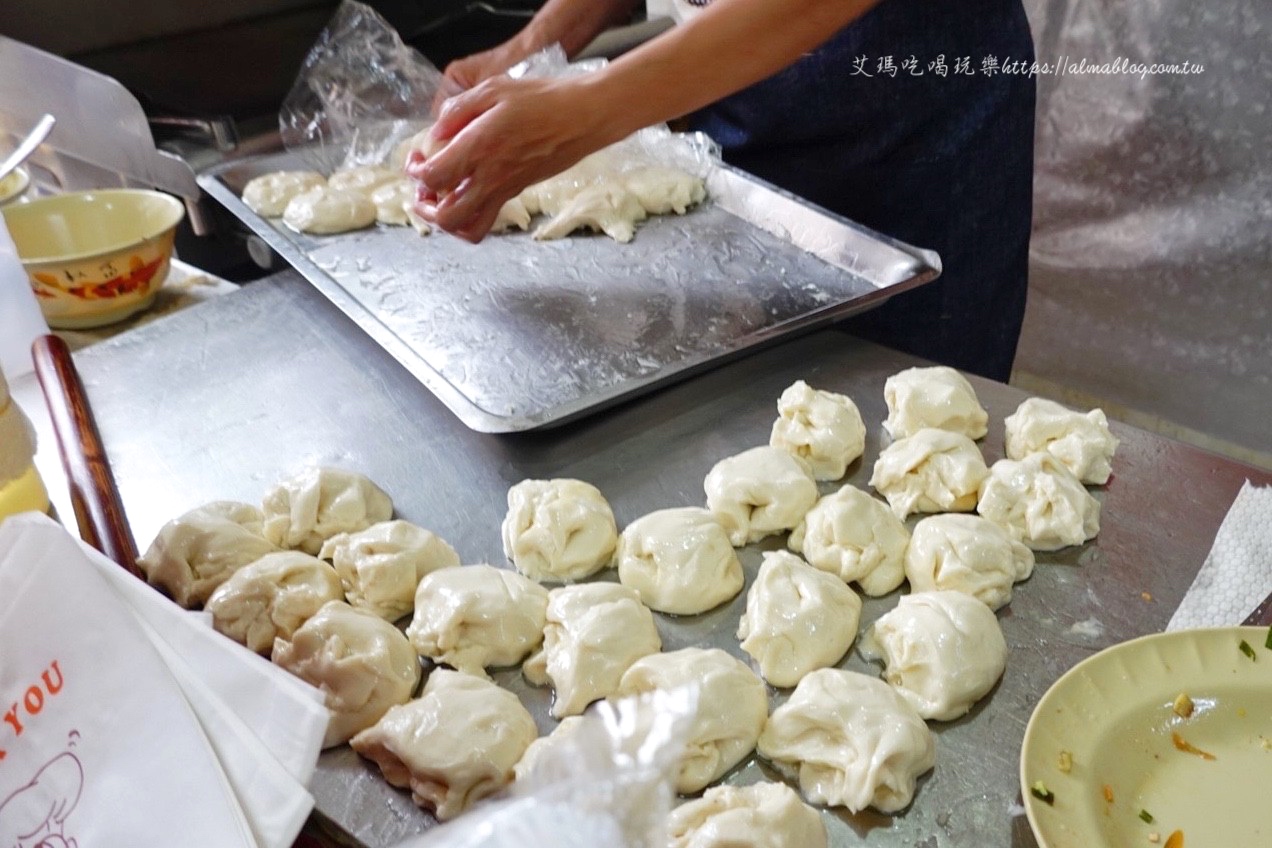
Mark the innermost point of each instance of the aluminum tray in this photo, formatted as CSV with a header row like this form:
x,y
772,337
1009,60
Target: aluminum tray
x,y
513,334
245,389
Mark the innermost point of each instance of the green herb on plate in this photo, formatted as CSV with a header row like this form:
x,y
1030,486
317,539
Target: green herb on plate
x,y
1146,816
1268,643
1247,650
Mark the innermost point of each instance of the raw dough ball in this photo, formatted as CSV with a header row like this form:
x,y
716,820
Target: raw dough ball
x,y
732,707
477,616
197,552
391,201
272,597
1040,501
381,566
856,536
931,471
318,503
363,179
362,664
850,740
967,554
594,632
936,397
943,651
679,560
1082,443
454,745
822,428
558,530
797,619
760,492
565,733
269,194
326,210
661,190
766,815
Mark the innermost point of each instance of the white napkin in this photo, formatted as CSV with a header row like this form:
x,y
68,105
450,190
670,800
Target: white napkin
x,y
258,728
1237,575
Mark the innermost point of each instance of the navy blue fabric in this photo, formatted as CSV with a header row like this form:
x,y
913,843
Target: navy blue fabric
x,y
942,162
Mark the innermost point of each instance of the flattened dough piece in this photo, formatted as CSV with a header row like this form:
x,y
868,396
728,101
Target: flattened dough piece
x,y
316,504
680,561
760,492
797,619
767,815
558,530
931,471
943,651
512,215
1082,443
381,567
968,554
1040,501
606,207
272,597
454,745
854,535
198,551
362,664
938,397
850,740
661,190
594,632
822,428
269,194
326,210
732,708
476,616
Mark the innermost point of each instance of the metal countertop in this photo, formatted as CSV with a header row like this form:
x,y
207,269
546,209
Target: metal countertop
x,y
224,399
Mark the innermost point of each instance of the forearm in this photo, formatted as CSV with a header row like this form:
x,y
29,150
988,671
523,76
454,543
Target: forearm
x,y
728,46
571,23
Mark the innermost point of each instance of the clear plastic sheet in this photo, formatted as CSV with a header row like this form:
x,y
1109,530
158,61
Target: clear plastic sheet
x,y
359,92
610,784
1145,165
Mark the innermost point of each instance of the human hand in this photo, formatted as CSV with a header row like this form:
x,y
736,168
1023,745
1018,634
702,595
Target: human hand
x,y
479,67
494,140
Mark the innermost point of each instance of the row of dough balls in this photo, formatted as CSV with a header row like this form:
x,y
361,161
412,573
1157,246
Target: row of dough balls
x,y
601,193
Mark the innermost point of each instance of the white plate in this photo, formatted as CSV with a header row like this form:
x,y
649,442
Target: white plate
x,y
1114,715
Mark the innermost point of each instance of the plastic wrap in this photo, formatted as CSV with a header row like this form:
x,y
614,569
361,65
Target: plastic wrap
x,y
1152,134
359,92
609,784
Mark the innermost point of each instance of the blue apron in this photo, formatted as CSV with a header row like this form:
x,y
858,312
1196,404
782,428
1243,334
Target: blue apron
x,y
869,127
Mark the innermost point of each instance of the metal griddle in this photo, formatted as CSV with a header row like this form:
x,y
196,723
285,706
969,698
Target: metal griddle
x,y
514,334
224,399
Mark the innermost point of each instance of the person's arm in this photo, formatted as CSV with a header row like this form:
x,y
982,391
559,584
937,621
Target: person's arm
x,y
504,134
571,23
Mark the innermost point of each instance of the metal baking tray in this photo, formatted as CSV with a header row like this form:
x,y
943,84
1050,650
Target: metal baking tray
x,y
513,334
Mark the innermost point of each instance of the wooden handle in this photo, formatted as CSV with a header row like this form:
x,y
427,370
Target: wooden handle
x,y
94,496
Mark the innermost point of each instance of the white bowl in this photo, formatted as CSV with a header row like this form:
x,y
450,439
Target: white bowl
x,y
95,257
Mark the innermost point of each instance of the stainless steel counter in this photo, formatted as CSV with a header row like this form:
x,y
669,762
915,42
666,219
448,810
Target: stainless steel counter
x,y
225,398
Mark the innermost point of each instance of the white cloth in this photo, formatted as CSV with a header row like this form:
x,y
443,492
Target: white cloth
x,y
154,699
1235,577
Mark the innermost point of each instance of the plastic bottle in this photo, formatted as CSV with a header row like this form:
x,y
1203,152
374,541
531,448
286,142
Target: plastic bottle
x,y
21,488
21,321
